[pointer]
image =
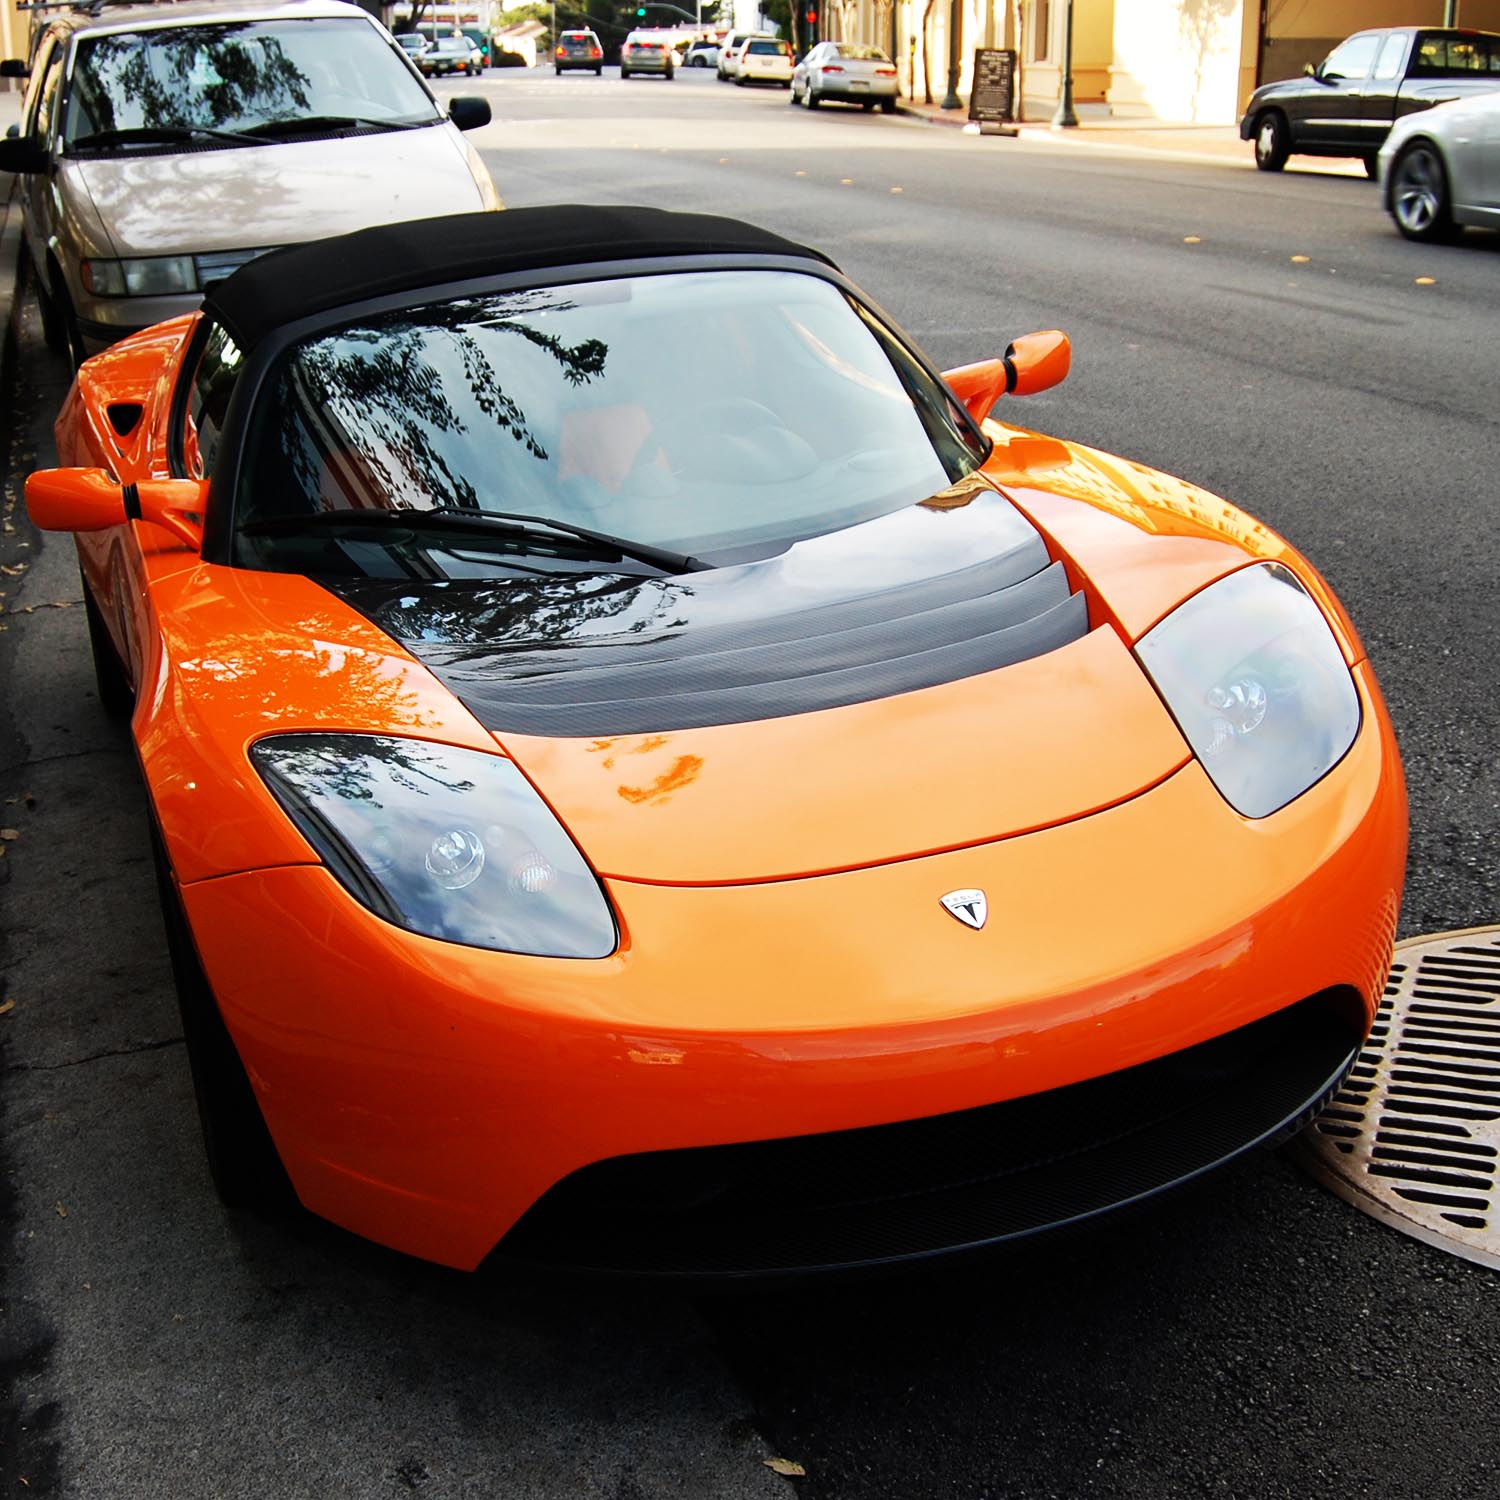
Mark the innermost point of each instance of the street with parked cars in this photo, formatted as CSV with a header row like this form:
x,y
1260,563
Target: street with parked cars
x,y
542,696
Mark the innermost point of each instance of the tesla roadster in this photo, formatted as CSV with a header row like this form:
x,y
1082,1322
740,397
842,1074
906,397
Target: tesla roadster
x,y
648,775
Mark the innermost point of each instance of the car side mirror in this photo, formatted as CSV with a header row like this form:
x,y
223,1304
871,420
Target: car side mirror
x,y
1035,362
22,153
89,500
469,111
1310,70
13,67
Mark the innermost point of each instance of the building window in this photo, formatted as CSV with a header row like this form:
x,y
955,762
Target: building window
x,y
1041,30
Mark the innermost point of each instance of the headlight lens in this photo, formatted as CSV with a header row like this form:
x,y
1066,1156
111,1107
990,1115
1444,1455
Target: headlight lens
x,y
156,276
451,843
1257,683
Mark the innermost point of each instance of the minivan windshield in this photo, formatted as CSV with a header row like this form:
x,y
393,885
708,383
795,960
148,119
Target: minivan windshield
x,y
199,84
706,414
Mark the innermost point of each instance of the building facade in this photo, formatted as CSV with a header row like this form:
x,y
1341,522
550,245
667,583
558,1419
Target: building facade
x,y
1188,61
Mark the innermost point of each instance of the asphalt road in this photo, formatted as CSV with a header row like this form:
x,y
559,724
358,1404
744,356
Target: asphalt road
x,y
1252,1338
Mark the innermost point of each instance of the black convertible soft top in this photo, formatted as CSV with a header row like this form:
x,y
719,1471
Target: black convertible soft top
x,y
285,285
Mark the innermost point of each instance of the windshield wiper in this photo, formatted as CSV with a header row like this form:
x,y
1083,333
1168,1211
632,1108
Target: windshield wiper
x,y
461,518
319,124
157,135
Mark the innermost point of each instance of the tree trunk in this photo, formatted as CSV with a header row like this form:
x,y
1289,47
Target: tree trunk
x,y
926,51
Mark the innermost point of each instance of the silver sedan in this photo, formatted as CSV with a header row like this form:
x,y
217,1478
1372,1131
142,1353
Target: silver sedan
x,y
1440,169
844,70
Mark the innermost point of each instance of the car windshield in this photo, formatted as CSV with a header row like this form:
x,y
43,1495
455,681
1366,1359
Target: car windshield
x,y
134,87
450,44
715,415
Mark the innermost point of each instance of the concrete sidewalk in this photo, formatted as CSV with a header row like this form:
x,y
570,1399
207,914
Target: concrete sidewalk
x,y
1220,143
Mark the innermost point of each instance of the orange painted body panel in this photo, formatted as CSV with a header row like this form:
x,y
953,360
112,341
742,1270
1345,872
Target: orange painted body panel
x,y
1141,541
425,1094
785,964
963,763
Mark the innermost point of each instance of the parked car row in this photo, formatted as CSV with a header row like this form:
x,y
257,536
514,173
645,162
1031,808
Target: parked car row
x,y
1419,106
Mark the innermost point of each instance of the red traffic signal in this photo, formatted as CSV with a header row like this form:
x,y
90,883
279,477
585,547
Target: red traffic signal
x,y
812,18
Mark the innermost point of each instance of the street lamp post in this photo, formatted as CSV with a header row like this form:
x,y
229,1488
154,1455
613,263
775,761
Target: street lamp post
x,y
1065,117
955,22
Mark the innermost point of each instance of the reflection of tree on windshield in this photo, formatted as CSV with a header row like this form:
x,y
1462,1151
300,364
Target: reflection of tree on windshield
x,y
381,390
184,76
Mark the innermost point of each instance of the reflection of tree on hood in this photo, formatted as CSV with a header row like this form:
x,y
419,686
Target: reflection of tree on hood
x,y
188,76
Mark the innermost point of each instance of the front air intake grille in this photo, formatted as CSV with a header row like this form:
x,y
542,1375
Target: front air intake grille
x,y
923,1187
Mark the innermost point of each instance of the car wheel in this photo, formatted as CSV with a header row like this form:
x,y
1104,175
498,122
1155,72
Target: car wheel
x,y
868,104
624,72
599,72
888,106
53,330
72,340
813,101
1272,142
242,1158
1419,198
116,696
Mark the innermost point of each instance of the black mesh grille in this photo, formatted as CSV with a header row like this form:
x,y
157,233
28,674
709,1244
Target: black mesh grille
x,y
923,1187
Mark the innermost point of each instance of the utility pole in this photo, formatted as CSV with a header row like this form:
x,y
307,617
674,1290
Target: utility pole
x,y
955,23
1065,118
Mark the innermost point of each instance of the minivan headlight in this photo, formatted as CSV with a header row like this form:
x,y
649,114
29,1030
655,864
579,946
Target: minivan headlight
x,y
148,276
1258,685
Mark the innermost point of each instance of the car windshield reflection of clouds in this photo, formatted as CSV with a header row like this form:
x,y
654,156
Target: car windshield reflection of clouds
x,y
700,411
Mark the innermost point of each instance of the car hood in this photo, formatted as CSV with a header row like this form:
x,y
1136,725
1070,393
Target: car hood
x,y
246,197
859,700
921,682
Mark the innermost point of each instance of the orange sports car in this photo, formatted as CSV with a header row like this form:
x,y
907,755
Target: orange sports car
x,y
647,775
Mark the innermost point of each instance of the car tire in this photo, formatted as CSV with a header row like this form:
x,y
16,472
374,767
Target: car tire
x,y
1272,141
72,346
53,330
624,73
599,72
1419,198
867,104
888,106
812,101
242,1158
116,696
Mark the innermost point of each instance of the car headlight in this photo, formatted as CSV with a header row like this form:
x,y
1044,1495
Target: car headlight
x,y
154,276
1255,679
451,843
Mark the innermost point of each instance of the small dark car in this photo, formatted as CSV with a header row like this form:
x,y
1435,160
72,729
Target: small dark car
x,y
1348,103
578,49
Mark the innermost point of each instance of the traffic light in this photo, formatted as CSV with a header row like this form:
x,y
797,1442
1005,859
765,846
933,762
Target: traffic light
x,y
640,12
812,17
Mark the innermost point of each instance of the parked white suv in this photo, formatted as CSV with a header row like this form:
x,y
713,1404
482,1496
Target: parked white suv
x,y
729,52
162,146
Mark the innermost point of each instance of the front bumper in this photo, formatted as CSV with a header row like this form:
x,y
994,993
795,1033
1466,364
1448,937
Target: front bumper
x,y
427,1095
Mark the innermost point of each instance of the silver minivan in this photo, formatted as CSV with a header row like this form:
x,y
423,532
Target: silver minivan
x,y
160,147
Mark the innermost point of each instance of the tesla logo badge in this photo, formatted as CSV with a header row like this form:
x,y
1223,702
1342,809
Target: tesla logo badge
x,y
969,907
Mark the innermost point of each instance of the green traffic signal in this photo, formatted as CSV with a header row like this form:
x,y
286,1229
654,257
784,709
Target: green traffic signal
x,y
640,11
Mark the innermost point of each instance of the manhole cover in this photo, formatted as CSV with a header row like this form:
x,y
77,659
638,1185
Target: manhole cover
x,y
1413,1138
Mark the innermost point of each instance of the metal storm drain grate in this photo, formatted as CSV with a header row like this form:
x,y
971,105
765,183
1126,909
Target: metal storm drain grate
x,y
1413,1138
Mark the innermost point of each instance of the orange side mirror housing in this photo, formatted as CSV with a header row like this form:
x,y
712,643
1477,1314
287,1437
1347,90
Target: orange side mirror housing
x,y
1034,362
89,500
